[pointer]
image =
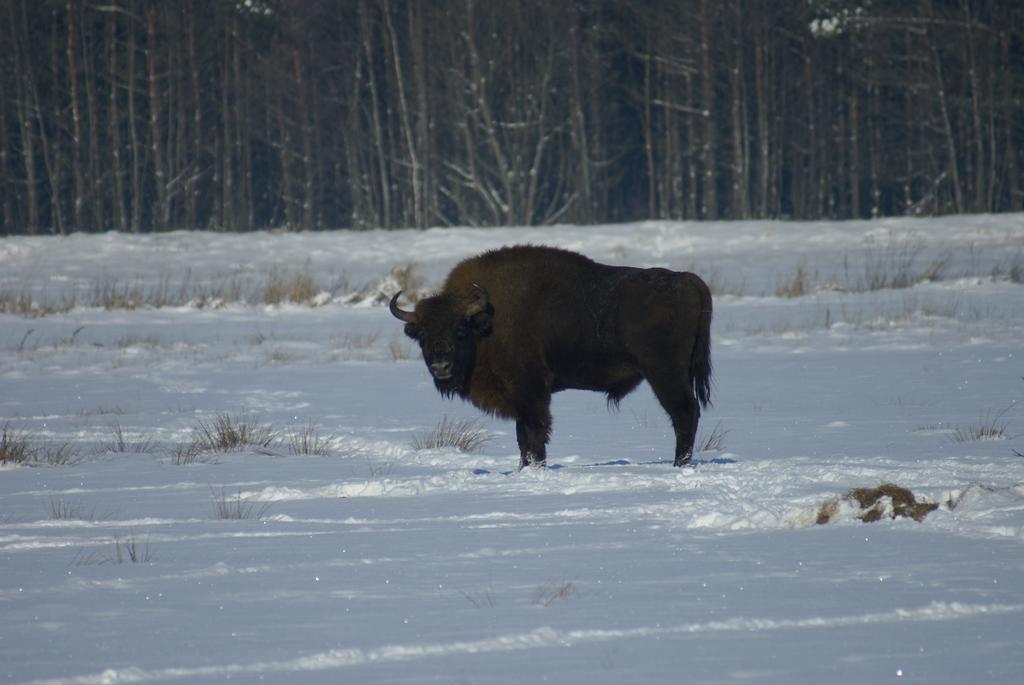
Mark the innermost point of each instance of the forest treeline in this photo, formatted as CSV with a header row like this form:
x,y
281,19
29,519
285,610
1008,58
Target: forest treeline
x,y
142,115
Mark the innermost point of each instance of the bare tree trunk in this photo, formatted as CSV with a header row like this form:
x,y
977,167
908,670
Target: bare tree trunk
x,y
1011,113
418,38
23,74
53,150
709,144
92,48
761,97
652,188
479,90
854,143
120,210
953,164
244,210
162,208
580,136
419,216
383,180
192,186
7,197
226,161
740,154
136,194
307,142
78,199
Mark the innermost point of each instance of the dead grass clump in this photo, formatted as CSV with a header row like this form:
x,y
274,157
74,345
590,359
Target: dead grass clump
x,y
355,341
714,441
226,433
465,435
223,433
109,294
130,550
546,595
801,283
17,447
125,551
307,440
886,500
73,510
988,427
893,265
406,278
238,508
124,444
24,304
62,454
481,600
299,288
188,453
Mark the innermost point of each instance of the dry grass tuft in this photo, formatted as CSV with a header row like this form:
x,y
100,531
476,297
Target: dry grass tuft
x,y
125,551
22,303
893,264
124,444
307,440
226,433
17,447
297,288
546,595
188,453
714,441
988,427
65,510
406,277
465,435
800,284
237,508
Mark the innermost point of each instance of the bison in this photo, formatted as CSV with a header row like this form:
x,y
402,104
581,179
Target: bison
x,y
514,325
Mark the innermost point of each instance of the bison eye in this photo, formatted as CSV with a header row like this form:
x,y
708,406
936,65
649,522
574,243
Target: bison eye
x,y
412,331
461,331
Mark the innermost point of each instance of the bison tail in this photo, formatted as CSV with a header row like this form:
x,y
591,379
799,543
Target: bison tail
x,y
700,360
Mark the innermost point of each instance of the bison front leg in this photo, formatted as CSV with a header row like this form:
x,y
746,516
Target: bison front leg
x,y
532,433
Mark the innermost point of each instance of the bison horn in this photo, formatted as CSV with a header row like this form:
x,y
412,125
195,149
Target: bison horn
x,y
400,314
480,304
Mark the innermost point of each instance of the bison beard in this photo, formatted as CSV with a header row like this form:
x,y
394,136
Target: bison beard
x,y
512,326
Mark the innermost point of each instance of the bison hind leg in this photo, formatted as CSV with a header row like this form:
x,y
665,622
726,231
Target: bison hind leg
x,y
683,409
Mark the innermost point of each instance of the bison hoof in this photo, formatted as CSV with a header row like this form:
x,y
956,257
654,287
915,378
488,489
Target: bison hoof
x,y
683,460
535,463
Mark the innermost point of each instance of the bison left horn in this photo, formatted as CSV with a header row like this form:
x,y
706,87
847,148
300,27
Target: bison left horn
x,y
400,314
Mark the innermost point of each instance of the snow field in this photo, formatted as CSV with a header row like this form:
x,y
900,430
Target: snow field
x,y
378,562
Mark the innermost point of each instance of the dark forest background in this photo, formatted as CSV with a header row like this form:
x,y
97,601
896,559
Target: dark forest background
x,y
142,115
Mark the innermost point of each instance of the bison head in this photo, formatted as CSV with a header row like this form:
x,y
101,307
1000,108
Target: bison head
x,y
447,328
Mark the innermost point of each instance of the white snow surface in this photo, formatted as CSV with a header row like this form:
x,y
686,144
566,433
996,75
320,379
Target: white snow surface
x,y
381,563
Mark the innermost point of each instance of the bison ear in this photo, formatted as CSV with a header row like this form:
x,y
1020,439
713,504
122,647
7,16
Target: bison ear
x,y
480,312
412,330
481,321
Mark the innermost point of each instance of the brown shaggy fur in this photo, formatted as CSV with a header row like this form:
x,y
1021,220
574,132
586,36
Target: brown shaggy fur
x,y
544,320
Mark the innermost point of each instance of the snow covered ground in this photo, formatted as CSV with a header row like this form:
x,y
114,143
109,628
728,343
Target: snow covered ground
x,y
377,562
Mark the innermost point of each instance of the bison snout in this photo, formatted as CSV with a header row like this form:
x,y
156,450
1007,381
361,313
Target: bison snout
x,y
441,370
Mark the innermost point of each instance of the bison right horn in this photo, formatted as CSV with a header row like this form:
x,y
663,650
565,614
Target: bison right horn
x,y
400,314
